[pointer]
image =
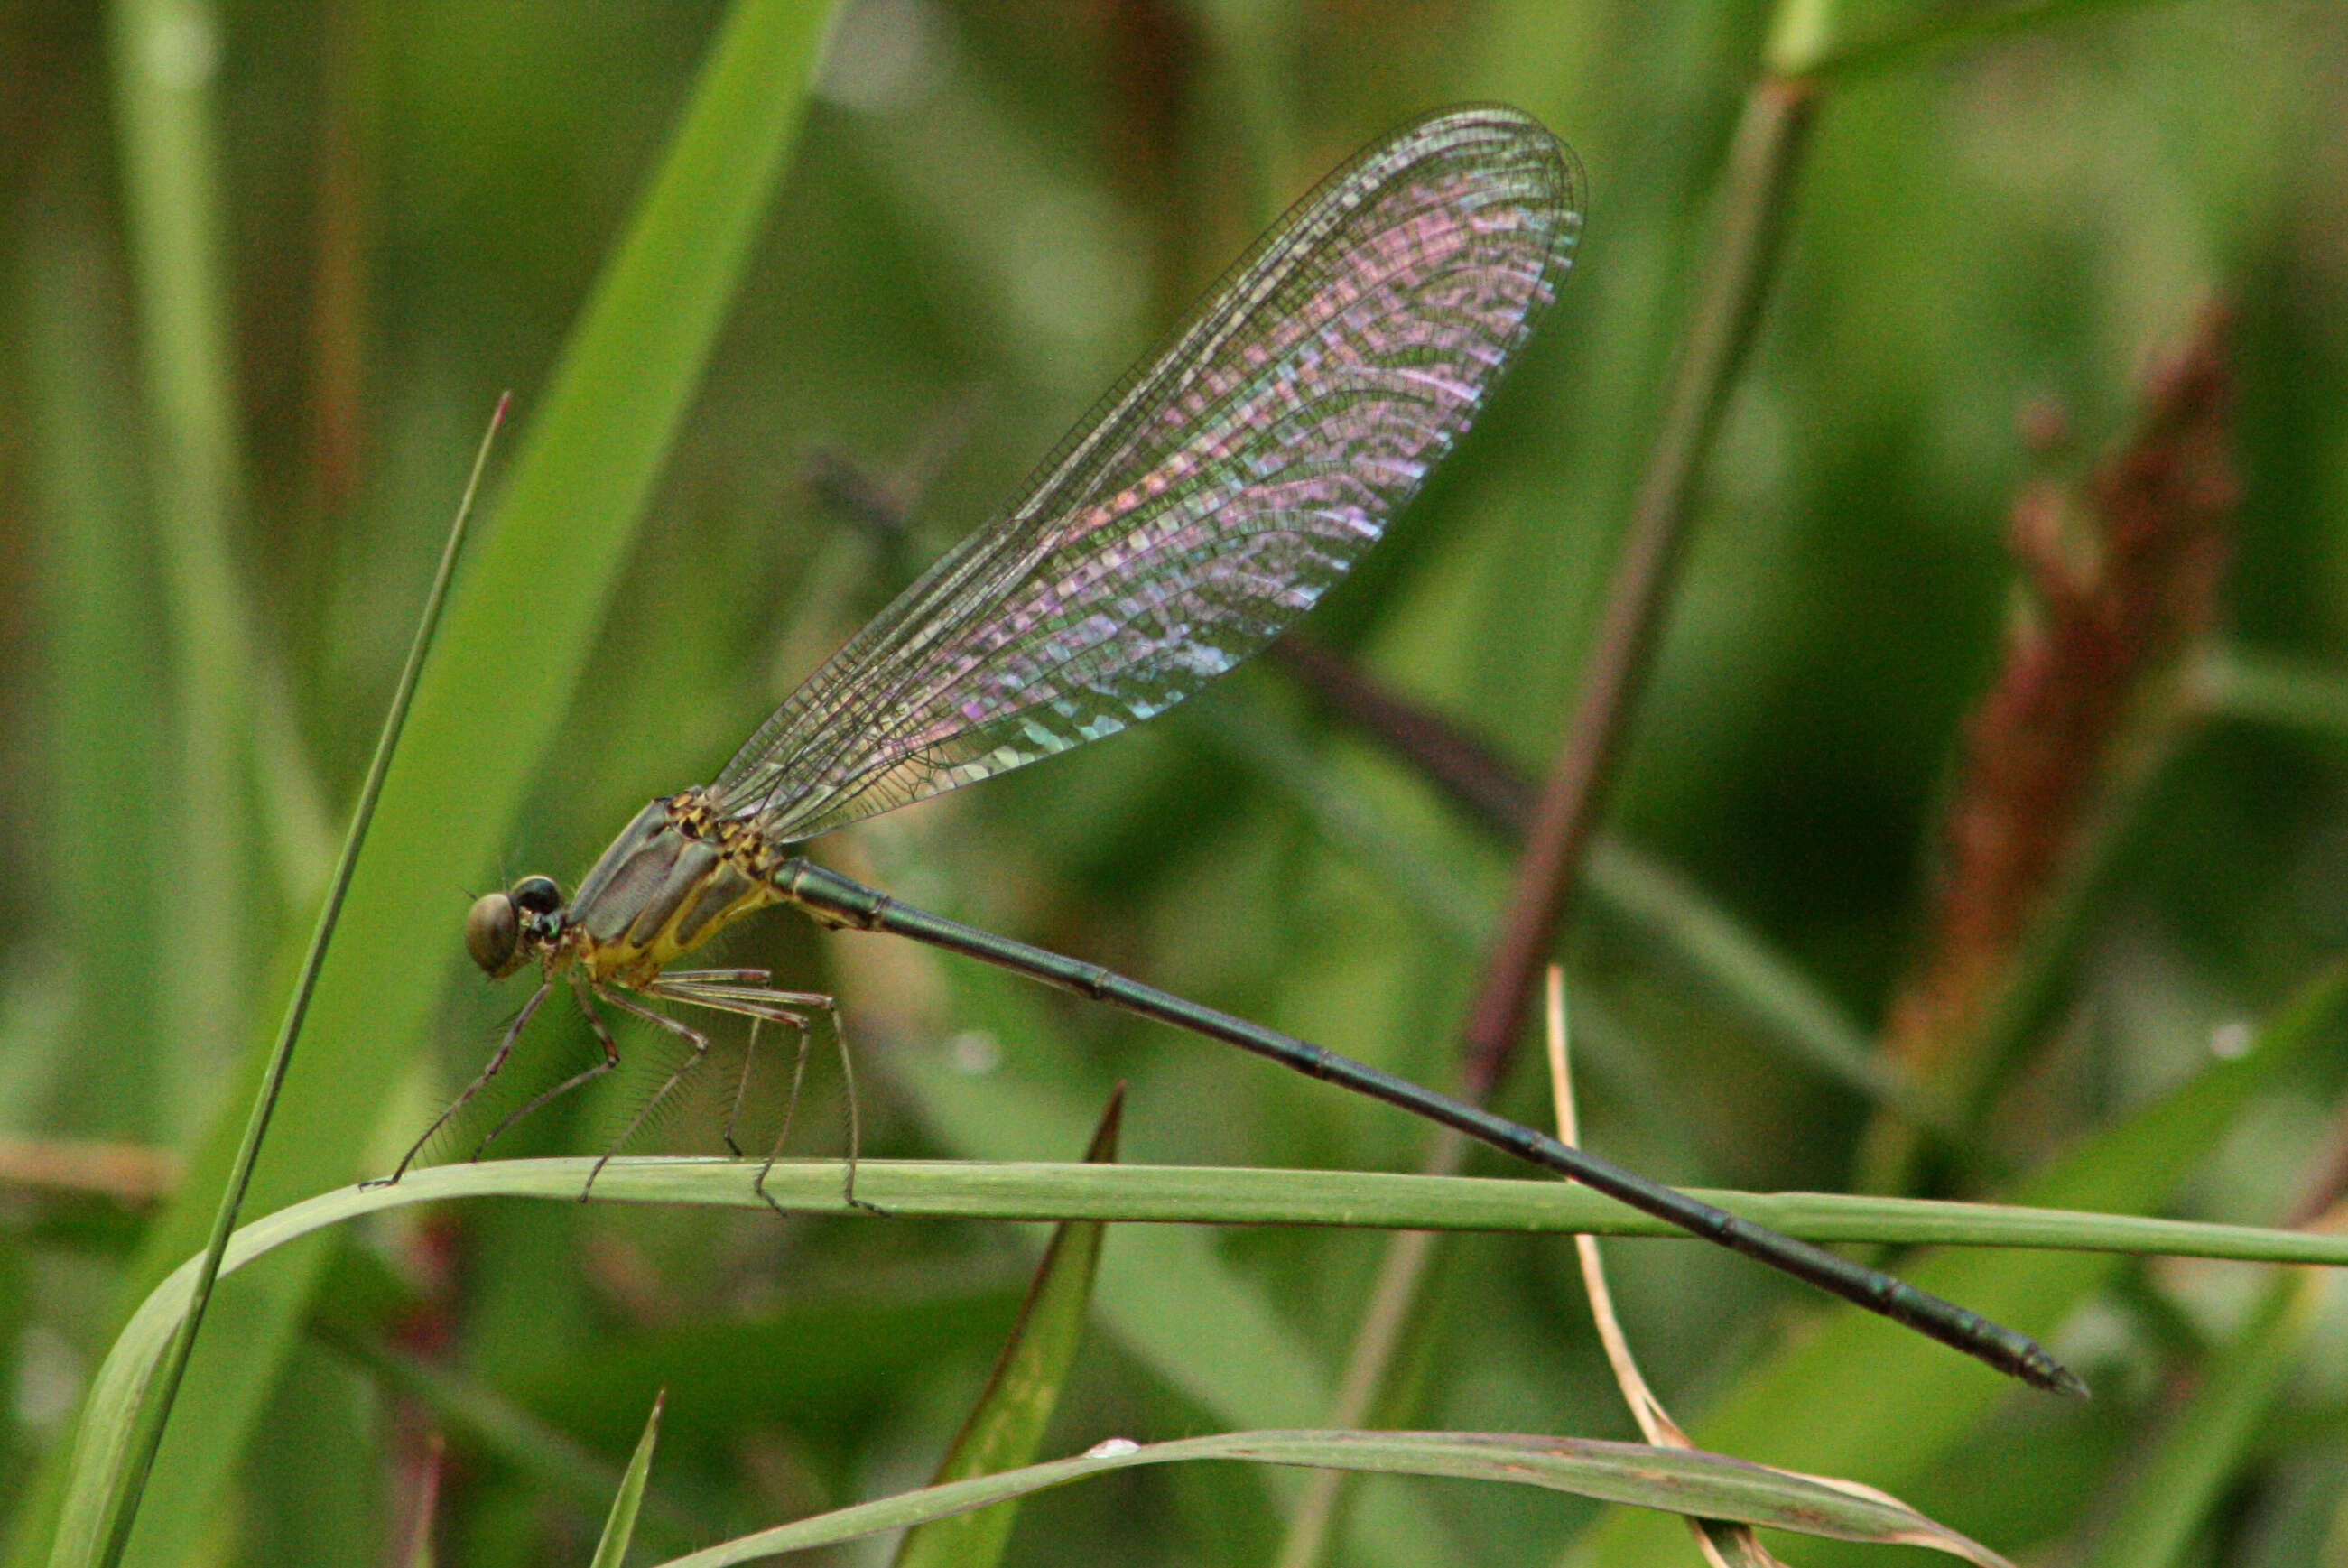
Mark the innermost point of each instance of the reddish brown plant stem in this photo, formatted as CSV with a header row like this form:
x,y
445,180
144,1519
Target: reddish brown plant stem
x,y
1455,761
1762,163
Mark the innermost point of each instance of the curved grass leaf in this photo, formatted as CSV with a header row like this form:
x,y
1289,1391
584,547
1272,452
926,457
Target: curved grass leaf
x,y
1681,1480
915,1188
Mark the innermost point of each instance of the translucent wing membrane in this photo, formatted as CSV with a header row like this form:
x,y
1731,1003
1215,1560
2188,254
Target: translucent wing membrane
x,y
1211,497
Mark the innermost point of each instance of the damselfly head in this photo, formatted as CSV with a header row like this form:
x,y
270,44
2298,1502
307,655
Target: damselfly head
x,y
504,930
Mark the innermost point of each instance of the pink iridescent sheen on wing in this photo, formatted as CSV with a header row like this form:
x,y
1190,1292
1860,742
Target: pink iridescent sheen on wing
x,y
1211,497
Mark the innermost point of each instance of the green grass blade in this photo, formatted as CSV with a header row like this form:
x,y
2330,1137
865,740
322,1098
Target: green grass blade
x,y
619,1526
483,716
1681,1480
148,1436
914,1189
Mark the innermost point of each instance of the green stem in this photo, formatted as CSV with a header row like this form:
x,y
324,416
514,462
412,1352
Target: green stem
x,y
157,1413
1753,219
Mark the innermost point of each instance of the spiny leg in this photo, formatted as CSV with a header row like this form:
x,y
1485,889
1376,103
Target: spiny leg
x,y
742,1086
855,1117
610,1059
745,991
497,1059
699,1048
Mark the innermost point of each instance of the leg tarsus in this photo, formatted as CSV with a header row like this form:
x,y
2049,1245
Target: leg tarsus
x,y
610,1059
855,1113
758,1185
693,1038
480,1079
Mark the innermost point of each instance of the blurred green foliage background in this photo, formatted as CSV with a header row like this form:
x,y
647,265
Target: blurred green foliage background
x,y
221,489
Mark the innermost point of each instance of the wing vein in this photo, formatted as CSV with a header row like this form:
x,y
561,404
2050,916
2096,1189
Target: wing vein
x,y
1209,499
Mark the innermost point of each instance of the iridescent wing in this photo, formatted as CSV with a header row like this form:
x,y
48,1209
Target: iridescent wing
x,y
1210,498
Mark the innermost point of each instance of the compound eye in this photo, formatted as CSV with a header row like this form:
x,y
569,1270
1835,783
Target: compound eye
x,y
537,895
493,934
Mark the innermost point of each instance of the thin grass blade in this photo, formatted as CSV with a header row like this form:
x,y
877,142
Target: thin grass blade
x,y
1681,1480
620,1525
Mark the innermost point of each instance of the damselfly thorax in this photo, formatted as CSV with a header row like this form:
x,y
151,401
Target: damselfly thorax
x,y
675,876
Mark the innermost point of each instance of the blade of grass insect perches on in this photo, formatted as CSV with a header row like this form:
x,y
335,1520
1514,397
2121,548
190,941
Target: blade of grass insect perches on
x,y
620,1524
1899,1415
1676,1480
1211,1196
2093,692
558,542
1155,1196
139,1454
1005,1427
1165,1195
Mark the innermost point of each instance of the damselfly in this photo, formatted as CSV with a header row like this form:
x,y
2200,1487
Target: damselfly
x,y
1200,507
